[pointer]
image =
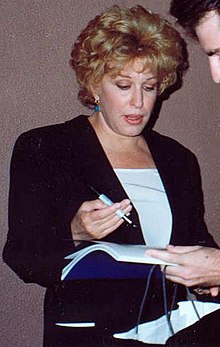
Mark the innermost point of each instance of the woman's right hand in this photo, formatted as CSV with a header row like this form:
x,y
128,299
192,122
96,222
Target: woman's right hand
x,y
95,220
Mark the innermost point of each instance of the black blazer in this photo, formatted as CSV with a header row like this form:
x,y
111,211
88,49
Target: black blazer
x,y
49,169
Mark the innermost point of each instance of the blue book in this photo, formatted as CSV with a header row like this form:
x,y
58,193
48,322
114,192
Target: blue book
x,y
105,260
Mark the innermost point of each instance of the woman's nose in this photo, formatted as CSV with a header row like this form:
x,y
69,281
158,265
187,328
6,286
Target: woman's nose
x,y
137,98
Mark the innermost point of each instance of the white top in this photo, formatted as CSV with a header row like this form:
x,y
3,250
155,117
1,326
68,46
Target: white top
x,y
147,193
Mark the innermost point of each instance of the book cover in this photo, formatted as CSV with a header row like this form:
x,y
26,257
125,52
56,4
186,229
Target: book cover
x,y
110,260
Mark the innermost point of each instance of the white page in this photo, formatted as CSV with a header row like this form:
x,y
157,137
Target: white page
x,y
126,253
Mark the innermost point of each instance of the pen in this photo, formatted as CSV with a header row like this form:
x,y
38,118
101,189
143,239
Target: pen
x,y
109,202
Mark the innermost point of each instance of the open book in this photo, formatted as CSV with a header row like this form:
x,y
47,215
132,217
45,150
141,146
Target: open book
x,y
100,259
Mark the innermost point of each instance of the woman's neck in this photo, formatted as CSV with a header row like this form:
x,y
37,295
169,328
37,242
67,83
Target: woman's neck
x,y
109,139
124,151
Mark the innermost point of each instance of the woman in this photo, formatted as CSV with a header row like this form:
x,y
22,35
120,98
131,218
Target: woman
x,y
123,60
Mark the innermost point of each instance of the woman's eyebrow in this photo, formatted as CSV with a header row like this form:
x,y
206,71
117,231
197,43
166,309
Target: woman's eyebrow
x,y
147,79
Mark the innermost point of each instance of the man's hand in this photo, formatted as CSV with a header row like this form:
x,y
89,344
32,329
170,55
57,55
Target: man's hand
x,y
196,266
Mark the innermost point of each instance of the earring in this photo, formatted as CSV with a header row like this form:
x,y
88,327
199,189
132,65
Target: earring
x,y
97,107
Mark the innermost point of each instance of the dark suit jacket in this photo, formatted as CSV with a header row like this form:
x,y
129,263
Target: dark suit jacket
x,y
49,169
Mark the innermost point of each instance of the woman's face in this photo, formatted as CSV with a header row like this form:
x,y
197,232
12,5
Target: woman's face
x,y
126,101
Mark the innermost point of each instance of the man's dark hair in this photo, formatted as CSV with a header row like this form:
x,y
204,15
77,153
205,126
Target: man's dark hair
x,y
189,12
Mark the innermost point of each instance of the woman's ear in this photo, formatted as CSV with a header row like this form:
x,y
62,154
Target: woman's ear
x,y
95,90
96,97
95,94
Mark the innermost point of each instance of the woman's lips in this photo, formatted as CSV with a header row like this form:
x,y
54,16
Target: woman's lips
x,y
134,119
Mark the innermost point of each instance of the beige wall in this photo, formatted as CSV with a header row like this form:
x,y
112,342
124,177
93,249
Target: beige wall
x,y
38,87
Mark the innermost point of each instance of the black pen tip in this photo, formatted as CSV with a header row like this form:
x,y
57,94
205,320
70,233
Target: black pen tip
x,y
94,190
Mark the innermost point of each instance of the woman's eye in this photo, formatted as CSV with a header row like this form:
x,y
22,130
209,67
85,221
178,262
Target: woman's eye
x,y
123,87
150,88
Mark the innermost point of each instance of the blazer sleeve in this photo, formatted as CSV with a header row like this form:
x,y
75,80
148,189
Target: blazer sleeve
x,y
201,234
38,226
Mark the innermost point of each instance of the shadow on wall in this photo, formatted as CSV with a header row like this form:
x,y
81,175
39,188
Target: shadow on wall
x,y
169,91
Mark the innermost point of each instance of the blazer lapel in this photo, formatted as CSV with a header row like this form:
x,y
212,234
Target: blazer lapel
x,y
94,169
166,155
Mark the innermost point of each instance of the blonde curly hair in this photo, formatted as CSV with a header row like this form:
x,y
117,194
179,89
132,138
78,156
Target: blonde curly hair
x,y
119,36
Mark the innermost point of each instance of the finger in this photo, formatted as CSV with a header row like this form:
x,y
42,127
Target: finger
x,y
182,275
180,280
176,279
163,255
98,227
214,291
91,215
182,249
111,222
125,203
92,205
100,222
110,229
177,271
108,213
98,205
127,210
102,231
103,213
108,222
162,267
